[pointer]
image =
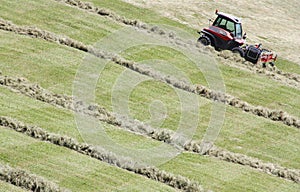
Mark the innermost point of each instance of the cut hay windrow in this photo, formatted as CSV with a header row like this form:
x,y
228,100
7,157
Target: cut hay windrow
x,y
41,34
27,181
269,168
164,135
175,181
274,115
227,57
35,91
104,13
192,146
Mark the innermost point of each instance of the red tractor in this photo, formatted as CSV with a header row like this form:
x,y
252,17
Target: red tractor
x,y
226,33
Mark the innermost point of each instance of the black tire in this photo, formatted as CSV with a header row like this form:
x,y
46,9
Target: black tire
x,y
204,40
239,51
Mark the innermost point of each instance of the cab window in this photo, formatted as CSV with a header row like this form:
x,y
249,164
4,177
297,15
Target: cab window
x,y
238,30
230,27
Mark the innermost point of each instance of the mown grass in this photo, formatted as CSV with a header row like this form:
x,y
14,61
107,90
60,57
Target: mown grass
x,y
253,88
260,138
36,59
58,18
9,187
185,67
61,121
288,66
226,177
141,98
59,63
259,90
67,168
236,81
149,16
145,15
54,67
35,112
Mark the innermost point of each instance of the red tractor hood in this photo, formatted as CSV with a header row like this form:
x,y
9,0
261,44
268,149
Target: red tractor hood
x,y
223,34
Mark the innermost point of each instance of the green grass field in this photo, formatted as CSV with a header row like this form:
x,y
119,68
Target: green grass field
x,y
54,67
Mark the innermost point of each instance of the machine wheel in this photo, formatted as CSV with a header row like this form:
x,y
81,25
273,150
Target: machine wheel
x,y
204,40
239,51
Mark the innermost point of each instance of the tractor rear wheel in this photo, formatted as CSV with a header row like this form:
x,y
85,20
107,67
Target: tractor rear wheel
x,y
204,40
239,51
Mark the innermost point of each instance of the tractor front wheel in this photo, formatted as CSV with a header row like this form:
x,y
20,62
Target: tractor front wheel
x,y
204,40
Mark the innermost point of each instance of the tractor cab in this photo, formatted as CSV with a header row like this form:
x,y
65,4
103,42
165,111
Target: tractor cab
x,y
225,32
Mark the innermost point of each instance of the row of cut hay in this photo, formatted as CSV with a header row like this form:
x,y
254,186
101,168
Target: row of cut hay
x,y
41,34
104,12
192,146
290,79
134,126
275,115
175,181
269,168
27,181
35,91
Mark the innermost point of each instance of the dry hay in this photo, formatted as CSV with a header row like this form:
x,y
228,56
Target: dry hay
x,y
175,181
27,181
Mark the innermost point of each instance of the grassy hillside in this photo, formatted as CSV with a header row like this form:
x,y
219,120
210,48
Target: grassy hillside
x,y
54,67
